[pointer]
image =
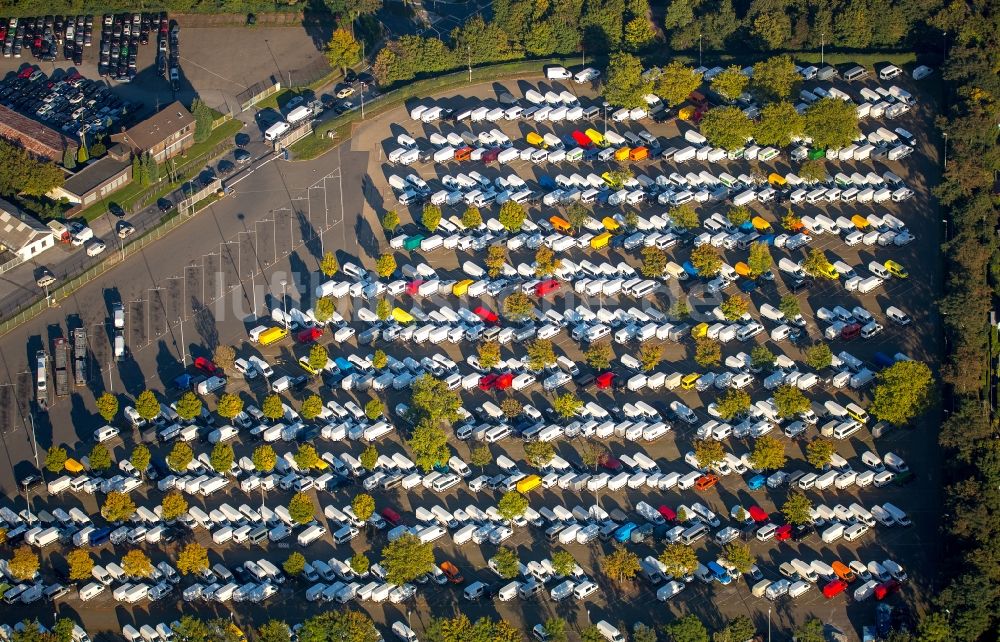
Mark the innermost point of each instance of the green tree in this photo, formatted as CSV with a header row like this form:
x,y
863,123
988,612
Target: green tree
x,y
140,458
643,633
173,505
592,634
832,123
812,171
343,50
188,406
797,508
203,119
363,506
733,403
489,354
472,218
224,357
272,408
776,78
180,457
274,631
135,563
778,124
768,453
563,563
734,307
407,558
621,565
816,264
539,453
790,401
541,354
146,405
312,407
306,457
741,627
81,564
686,629
599,355
55,459
518,306
100,458
679,310
727,127
819,355
684,216
264,458
512,216
739,215
676,82
546,262
707,352
638,34
819,451
117,507
69,158
810,631
24,563
192,559
790,221
760,260
359,563
507,563
935,627
329,265
761,357
429,445
386,265
383,309
771,28
294,564
512,505
730,83
567,405
432,400
374,409
576,215
496,256
738,554
431,217
318,357
390,221
616,178
369,457
555,629
301,508
902,391
650,355
511,407
380,360
229,406
481,457
107,406
706,259
709,452
62,630
789,306
654,262
222,457
624,85
324,309
680,559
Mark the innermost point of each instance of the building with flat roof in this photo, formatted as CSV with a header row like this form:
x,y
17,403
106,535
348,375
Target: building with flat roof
x,y
22,234
98,179
39,139
164,135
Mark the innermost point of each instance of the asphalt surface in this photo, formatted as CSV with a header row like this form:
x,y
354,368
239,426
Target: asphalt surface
x,y
225,267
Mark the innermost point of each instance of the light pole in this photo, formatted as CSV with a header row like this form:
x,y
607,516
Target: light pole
x,y
605,120
699,50
769,624
180,322
946,150
822,45
944,46
284,302
468,50
362,101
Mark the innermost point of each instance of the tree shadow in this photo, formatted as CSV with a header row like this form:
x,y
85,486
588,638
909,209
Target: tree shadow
x,y
366,236
319,23
204,325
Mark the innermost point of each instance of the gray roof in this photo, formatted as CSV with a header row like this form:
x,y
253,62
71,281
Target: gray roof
x,y
94,175
18,229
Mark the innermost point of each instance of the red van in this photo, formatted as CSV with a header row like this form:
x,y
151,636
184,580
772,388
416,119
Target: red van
x,y
543,288
413,287
205,365
582,140
504,381
850,331
886,589
783,533
667,514
486,315
487,382
309,335
834,588
757,514
391,516
605,380
610,463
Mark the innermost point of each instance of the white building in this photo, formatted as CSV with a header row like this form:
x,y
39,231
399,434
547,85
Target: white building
x,y
21,234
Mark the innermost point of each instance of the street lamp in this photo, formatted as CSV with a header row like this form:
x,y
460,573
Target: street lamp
x,y
769,624
284,302
699,50
605,120
822,45
945,150
362,101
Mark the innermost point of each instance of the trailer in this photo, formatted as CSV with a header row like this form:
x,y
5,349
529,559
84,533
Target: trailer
x,y
80,356
61,359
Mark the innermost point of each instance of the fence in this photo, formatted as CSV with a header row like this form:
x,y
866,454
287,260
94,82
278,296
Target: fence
x,y
257,92
293,136
270,19
11,264
188,202
318,69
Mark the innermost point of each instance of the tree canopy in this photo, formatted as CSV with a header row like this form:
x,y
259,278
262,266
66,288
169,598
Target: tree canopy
x,y
624,85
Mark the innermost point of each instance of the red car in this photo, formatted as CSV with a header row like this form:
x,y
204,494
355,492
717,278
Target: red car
x,y
391,516
886,589
413,287
783,533
582,140
309,335
757,514
26,72
834,588
504,381
850,332
205,365
666,513
610,463
605,380
488,382
486,315
543,288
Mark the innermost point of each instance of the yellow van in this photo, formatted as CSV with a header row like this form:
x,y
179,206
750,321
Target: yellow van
x,y
686,113
272,335
760,224
534,139
622,153
73,466
401,316
600,241
597,137
699,330
860,222
742,269
529,483
688,381
777,180
461,287
896,269
610,224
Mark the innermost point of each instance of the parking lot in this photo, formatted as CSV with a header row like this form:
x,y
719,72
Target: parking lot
x,y
270,243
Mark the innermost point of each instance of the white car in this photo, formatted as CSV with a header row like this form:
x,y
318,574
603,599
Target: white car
x,y
96,247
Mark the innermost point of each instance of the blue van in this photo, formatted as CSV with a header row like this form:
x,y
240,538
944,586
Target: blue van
x,y
100,536
719,574
757,482
624,532
343,364
690,269
883,360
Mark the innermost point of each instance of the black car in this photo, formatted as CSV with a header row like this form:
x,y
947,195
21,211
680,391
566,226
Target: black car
x,y
164,205
350,77
300,382
116,210
242,156
30,481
